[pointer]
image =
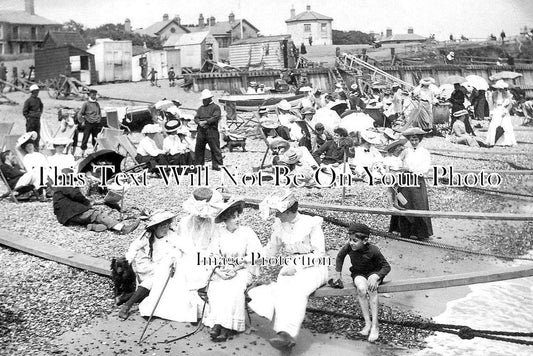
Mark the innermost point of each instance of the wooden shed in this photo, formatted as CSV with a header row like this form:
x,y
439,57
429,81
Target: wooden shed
x,y
192,49
113,60
269,52
67,60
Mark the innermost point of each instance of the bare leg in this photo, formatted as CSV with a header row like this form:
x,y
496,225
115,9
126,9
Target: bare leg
x,y
374,331
362,288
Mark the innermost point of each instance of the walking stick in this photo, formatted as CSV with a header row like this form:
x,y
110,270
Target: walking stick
x,y
344,175
170,275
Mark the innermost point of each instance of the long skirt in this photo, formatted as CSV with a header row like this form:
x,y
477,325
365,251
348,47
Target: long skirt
x,y
160,160
417,199
226,301
286,300
180,159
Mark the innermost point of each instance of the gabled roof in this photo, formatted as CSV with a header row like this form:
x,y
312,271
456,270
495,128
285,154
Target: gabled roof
x,y
58,39
309,15
23,18
405,37
222,27
136,50
262,39
185,39
155,29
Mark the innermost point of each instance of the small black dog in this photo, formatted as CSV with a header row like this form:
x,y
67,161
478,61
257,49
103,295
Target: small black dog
x,y
124,281
232,142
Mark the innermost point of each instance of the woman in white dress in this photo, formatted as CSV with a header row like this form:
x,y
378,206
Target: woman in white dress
x,y
146,253
500,118
302,238
236,244
179,299
34,162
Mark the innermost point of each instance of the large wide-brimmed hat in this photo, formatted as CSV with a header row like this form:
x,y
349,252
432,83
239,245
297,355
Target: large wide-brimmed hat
x,y
278,141
284,105
172,125
61,141
206,94
270,123
292,156
427,81
158,217
26,137
308,110
226,206
500,84
204,203
280,201
394,144
151,129
413,131
370,137
390,133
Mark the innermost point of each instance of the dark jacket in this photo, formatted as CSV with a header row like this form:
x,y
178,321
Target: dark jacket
x,y
457,99
209,113
91,112
365,262
69,202
33,108
333,153
12,174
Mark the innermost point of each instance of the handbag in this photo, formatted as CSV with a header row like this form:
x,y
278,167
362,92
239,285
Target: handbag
x,y
499,133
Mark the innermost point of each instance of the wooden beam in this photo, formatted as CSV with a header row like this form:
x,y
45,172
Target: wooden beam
x,y
102,267
15,86
484,152
445,281
418,213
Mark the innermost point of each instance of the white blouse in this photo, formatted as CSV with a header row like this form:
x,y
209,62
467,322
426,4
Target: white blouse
x,y
173,145
148,147
365,159
417,161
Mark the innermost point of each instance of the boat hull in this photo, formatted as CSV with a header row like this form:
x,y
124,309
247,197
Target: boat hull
x,y
253,102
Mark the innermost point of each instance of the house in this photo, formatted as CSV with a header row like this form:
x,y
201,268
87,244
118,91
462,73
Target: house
x,y
409,37
225,32
149,58
113,60
275,52
23,31
309,27
64,53
192,49
161,29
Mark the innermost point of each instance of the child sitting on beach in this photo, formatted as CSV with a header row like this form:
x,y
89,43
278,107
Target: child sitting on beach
x,y
368,269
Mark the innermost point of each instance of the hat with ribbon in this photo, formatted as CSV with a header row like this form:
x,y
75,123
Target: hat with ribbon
x,y
278,141
370,137
292,156
25,138
308,110
284,105
280,201
204,203
225,207
61,141
413,131
172,125
158,217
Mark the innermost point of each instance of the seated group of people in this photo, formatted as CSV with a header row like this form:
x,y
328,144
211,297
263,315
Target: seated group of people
x,y
208,250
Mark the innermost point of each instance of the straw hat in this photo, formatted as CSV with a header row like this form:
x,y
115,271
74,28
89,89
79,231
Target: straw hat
x,y
172,125
280,201
390,133
413,131
305,89
159,217
292,156
370,137
270,123
206,94
34,87
263,110
308,110
284,105
460,113
28,136
427,81
61,141
395,144
501,84
230,204
278,141
151,129
204,203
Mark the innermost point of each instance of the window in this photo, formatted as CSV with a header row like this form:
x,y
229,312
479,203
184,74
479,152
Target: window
x,y
173,29
324,30
307,27
33,33
15,31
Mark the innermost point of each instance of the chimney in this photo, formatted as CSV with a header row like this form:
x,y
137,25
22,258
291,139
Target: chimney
x,y
165,17
389,32
212,21
410,30
231,17
127,25
177,18
293,12
201,20
308,7
29,7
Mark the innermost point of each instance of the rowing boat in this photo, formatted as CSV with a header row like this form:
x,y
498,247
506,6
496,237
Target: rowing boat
x,y
252,102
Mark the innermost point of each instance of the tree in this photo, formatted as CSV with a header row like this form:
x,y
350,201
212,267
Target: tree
x,y
351,37
72,25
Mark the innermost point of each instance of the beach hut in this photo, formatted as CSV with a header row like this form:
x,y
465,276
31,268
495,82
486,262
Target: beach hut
x,y
113,60
275,52
192,49
151,58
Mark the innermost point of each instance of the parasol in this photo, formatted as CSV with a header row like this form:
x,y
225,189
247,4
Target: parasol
x,y
452,79
357,122
329,118
102,155
477,82
505,75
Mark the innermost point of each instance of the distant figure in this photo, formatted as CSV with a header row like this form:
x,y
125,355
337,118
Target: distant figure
x,y
463,38
492,37
450,58
510,60
153,77
3,76
303,50
451,38
502,35
310,40
171,77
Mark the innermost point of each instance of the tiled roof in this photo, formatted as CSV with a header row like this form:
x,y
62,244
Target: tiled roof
x,y
262,39
156,28
136,50
66,38
184,39
221,28
309,15
23,18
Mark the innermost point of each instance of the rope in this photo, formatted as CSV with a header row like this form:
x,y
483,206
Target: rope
x,y
464,332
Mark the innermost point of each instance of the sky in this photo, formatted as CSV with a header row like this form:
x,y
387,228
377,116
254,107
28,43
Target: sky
x,y
472,18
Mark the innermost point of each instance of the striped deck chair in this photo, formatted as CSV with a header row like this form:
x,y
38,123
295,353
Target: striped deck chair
x,y
5,130
114,122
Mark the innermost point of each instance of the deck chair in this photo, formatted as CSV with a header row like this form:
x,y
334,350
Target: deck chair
x,y
114,122
5,130
126,145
